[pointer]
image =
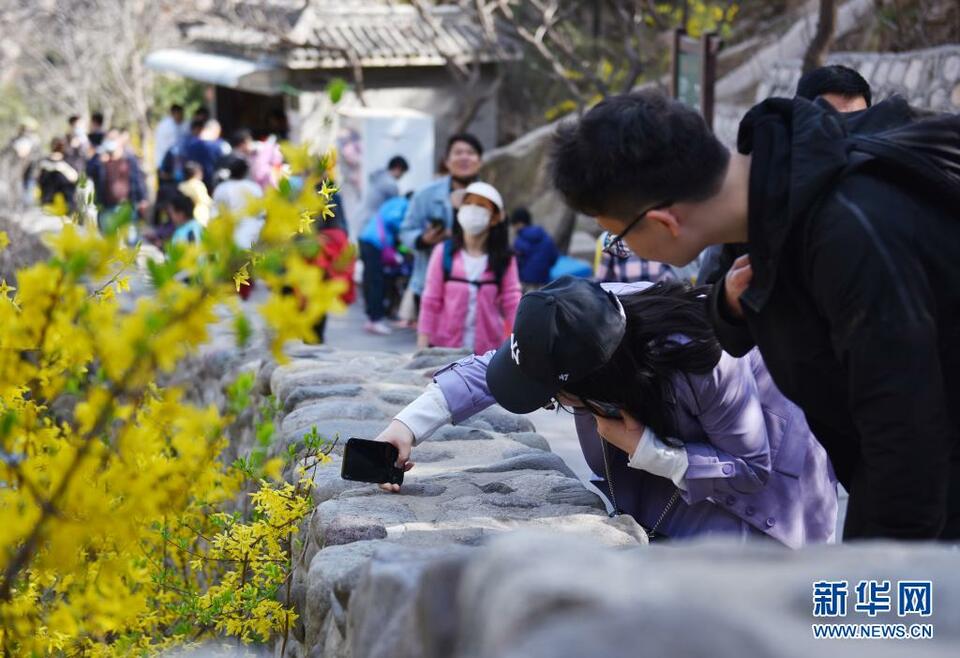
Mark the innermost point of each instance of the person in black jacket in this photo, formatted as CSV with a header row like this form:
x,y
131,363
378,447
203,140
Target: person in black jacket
x,y
848,93
848,276
57,176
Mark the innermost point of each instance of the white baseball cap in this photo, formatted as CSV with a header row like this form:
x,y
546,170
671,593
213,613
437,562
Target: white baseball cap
x,y
487,191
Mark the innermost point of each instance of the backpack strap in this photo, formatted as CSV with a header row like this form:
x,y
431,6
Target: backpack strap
x,y
474,283
447,259
448,269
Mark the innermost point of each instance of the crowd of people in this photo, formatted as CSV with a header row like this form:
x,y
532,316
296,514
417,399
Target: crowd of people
x,y
459,256
820,351
445,260
815,350
197,171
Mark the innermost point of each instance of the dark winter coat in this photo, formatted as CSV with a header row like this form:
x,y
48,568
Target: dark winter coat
x,y
855,300
536,254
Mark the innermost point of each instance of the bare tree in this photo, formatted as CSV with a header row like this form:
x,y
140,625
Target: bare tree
x,y
574,52
77,55
820,44
467,69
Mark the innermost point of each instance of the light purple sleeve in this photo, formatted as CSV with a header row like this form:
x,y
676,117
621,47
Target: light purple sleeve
x,y
464,386
736,456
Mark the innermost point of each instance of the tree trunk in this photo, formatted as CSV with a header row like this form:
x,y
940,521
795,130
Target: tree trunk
x,y
817,50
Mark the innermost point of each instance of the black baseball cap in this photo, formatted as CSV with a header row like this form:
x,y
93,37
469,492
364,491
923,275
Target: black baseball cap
x,y
562,333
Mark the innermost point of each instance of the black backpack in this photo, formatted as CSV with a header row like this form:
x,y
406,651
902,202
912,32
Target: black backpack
x,y
928,149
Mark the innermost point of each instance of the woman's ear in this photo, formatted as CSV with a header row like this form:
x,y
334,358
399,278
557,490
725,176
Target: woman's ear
x,y
667,218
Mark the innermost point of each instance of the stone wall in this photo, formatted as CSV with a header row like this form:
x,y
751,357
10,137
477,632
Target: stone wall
x,y
928,79
480,479
546,595
739,86
494,550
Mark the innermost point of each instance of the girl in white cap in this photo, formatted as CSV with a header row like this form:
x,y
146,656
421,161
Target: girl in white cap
x,y
472,288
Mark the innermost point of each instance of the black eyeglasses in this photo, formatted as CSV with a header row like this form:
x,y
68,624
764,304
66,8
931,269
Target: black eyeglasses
x,y
613,244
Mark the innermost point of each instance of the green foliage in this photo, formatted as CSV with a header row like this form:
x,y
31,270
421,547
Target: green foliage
x,y
168,89
336,88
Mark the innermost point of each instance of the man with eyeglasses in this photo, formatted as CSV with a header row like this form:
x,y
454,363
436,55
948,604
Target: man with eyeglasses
x,y
853,292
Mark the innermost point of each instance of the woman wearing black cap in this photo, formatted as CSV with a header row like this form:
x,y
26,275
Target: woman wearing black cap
x,y
695,442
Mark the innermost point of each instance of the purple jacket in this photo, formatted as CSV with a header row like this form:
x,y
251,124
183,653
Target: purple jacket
x,y
754,466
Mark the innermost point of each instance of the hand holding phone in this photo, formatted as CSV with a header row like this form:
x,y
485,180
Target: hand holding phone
x,y
371,461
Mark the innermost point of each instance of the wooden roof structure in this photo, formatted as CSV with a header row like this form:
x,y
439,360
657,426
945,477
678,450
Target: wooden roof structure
x,y
325,34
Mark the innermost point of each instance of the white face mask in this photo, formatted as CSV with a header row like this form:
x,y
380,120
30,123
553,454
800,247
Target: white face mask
x,y
474,220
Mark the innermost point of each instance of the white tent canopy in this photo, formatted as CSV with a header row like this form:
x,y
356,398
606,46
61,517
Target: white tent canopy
x,y
263,77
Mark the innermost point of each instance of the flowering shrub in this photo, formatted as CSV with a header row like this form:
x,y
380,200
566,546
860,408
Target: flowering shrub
x,y
123,528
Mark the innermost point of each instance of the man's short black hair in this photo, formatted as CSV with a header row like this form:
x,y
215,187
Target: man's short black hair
x,y
176,107
633,151
833,79
398,162
521,216
466,138
197,124
73,119
240,136
97,118
182,203
238,168
202,112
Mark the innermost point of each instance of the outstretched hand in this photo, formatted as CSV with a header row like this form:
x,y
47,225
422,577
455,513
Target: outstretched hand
x,y
399,436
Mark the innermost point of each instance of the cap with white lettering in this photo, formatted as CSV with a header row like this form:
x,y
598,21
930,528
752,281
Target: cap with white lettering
x,y
561,334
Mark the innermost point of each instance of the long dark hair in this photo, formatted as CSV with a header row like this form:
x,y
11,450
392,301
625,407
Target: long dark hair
x,y
499,252
667,333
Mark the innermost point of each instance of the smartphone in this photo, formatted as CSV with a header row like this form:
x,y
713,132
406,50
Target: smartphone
x,y
370,461
603,409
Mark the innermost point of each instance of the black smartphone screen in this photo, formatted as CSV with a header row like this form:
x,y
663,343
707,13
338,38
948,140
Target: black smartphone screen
x,y
370,461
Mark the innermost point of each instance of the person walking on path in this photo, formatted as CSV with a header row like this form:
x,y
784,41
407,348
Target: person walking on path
x,y
383,186
56,176
378,250
429,218
234,196
117,178
168,132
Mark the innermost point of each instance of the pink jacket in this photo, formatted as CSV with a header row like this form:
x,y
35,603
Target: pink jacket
x,y
443,306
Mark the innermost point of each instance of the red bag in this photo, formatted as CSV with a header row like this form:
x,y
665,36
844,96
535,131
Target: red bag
x,y
337,258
